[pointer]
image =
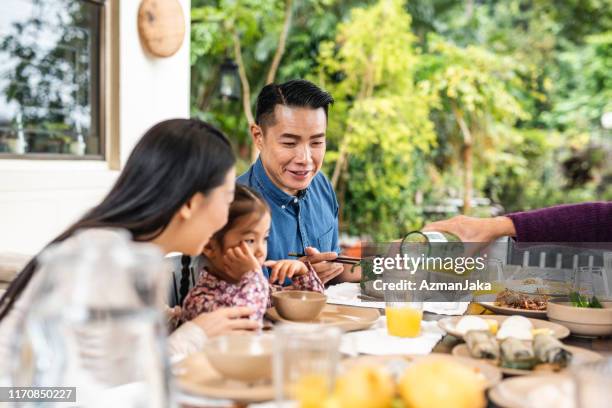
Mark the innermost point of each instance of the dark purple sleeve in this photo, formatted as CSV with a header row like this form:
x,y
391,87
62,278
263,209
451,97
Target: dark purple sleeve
x,y
587,222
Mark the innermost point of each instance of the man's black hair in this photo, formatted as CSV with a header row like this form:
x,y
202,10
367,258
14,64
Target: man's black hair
x,y
297,93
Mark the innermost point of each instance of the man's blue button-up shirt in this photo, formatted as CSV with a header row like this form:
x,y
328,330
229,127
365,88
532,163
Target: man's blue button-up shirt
x,y
308,219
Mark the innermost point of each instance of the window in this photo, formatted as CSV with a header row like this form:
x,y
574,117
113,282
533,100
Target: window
x,y
50,79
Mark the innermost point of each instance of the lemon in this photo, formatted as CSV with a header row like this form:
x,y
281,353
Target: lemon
x,y
311,391
439,383
493,325
332,402
542,330
365,387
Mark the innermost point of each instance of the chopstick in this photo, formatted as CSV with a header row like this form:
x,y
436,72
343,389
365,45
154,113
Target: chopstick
x,y
349,260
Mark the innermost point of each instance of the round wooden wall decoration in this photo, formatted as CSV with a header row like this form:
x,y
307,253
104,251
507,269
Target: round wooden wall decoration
x,y
161,25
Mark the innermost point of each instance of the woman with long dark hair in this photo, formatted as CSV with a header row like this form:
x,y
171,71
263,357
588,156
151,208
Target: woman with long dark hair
x,y
174,191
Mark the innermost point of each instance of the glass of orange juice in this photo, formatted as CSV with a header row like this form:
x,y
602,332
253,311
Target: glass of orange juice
x,y
404,318
403,302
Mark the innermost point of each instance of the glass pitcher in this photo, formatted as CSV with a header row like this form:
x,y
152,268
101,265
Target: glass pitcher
x,y
95,322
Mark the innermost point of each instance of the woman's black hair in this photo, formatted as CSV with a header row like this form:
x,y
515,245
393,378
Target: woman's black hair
x,y
174,160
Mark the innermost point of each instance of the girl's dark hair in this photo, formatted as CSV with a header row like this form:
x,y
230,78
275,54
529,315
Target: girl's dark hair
x,y
174,160
186,273
246,201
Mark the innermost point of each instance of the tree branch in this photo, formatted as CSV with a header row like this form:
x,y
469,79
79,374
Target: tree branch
x,y
465,130
282,41
246,89
366,91
467,156
339,165
469,9
205,96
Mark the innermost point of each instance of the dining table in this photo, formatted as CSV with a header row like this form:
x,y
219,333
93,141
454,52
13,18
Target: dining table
x,y
601,345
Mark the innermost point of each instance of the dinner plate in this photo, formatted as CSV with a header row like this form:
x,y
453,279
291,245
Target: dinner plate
x,y
197,376
509,311
551,390
348,318
579,356
397,364
448,324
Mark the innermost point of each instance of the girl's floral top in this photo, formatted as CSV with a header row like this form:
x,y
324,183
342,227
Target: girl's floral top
x,y
253,290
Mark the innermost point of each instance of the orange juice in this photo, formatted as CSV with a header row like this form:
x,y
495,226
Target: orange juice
x,y
310,390
403,321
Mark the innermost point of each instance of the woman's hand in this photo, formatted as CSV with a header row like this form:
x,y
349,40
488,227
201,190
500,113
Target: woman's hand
x,y
240,260
226,320
287,268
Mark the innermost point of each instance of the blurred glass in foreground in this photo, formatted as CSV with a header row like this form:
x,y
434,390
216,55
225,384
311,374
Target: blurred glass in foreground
x,y
95,324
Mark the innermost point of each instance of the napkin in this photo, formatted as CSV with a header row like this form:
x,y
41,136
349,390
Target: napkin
x,y
348,294
376,341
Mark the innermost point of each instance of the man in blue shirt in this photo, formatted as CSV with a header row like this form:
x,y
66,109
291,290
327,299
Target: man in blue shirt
x,y
289,131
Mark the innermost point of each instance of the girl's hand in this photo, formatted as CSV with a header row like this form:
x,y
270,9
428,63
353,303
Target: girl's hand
x,y
240,260
286,268
226,320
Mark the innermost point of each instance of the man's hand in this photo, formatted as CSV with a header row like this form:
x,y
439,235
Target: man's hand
x,y
287,268
240,260
321,264
226,320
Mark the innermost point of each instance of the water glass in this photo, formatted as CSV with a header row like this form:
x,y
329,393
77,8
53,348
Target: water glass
x,y
305,361
590,281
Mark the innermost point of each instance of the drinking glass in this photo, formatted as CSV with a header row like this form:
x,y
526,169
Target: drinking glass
x,y
94,322
404,318
590,281
403,310
305,361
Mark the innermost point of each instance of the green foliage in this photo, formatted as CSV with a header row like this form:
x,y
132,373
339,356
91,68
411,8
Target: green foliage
x,y
530,79
477,89
560,79
479,82
583,85
259,24
381,120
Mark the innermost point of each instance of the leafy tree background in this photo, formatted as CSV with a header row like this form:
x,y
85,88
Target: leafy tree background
x,y
484,106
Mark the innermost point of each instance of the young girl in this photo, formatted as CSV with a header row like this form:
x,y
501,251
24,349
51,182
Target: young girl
x,y
235,255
